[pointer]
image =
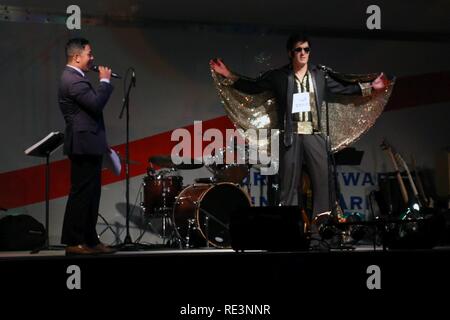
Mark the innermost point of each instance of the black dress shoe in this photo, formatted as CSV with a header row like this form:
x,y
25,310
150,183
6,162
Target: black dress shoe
x,y
80,249
102,249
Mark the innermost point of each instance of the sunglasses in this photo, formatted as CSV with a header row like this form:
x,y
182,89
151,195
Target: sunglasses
x,y
307,49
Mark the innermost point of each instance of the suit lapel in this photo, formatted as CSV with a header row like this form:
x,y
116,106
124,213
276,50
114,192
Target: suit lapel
x,y
317,93
288,115
290,91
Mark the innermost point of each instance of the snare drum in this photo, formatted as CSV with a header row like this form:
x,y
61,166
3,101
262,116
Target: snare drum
x,y
234,172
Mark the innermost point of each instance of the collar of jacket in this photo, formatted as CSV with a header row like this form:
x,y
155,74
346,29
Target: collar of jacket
x,y
288,68
74,71
289,96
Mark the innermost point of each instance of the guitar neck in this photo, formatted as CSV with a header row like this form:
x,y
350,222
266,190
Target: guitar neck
x,y
419,182
399,177
410,178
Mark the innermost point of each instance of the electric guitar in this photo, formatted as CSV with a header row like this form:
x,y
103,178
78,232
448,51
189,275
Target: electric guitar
x,y
416,197
387,147
413,210
427,201
418,204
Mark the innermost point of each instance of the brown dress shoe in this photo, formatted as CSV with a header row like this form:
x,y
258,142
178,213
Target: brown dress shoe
x,y
102,249
80,249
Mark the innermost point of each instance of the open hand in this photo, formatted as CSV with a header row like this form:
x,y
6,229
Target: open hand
x,y
219,67
380,82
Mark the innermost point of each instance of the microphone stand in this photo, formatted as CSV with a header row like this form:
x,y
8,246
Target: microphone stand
x,y
331,163
332,173
128,244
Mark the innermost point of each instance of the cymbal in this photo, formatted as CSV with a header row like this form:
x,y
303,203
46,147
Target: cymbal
x,y
123,160
188,166
165,161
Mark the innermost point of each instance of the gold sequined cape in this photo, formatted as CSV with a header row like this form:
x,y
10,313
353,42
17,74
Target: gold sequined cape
x,y
350,116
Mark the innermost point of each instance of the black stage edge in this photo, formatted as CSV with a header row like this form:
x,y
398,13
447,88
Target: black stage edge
x,y
165,282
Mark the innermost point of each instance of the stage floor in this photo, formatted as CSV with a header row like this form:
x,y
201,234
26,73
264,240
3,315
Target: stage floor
x,y
170,280
59,252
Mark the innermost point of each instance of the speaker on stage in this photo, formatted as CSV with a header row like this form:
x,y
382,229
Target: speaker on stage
x,y
21,232
268,228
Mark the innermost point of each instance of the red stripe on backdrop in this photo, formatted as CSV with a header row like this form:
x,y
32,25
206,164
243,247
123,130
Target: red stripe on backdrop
x,y
419,90
27,186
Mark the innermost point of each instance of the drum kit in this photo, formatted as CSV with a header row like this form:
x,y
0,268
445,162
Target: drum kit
x,y
196,215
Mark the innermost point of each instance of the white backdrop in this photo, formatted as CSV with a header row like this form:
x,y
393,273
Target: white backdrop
x,y
174,88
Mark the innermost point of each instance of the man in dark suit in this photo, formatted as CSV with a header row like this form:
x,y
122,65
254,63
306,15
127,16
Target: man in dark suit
x,y
85,143
299,89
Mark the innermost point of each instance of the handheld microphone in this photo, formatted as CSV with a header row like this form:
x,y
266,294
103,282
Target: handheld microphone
x,y
324,68
114,75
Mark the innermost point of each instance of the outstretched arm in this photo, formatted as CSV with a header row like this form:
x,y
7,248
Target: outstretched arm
x,y
365,88
243,84
219,67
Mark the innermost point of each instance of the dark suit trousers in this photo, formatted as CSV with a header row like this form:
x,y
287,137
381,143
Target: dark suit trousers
x,y
312,150
81,214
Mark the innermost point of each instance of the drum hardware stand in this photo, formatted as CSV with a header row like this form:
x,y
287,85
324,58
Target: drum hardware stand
x,y
146,223
164,228
164,219
143,210
165,238
108,226
207,230
164,211
141,201
191,226
207,216
214,218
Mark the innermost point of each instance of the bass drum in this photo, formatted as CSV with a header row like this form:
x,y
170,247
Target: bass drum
x,y
201,213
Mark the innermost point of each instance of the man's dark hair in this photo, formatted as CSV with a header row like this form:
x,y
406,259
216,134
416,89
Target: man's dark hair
x,y
74,46
294,38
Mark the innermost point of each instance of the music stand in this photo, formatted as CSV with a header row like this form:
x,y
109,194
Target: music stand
x,y
348,157
43,149
345,157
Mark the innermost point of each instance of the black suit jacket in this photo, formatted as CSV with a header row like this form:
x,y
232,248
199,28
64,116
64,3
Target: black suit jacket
x,y
282,82
82,108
